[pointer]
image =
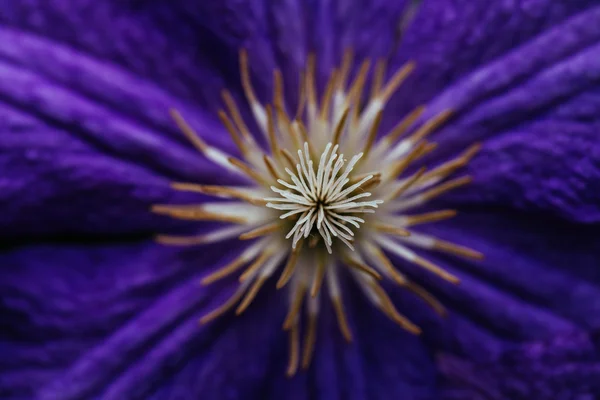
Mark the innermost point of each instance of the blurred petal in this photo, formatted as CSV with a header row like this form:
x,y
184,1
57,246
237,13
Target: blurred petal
x,y
129,316
539,278
563,367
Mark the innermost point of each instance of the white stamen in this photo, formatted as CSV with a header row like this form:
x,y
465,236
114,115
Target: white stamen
x,y
319,195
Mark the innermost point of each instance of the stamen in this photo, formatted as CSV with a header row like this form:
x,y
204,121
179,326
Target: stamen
x,y
318,279
250,295
196,213
232,132
388,308
403,125
261,231
457,250
294,350
256,265
430,126
311,333
372,133
289,267
396,81
362,267
340,126
258,178
309,341
188,131
222,309
378,77
433,216
236,115
234,265
391,230
335,295
219,191
278,99
215,236
271,167
294,306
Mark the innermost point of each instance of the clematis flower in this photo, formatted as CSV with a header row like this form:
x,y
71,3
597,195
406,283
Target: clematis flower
x,y
93,307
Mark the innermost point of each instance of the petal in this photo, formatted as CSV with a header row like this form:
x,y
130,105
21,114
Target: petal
x,y
563,367
130,316
86,137
538,278
488,47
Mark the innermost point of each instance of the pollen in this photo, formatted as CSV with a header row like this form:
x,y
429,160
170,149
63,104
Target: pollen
x,y
328,195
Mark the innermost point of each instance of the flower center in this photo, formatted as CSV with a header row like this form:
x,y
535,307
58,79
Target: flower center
x,y
324,199
321,196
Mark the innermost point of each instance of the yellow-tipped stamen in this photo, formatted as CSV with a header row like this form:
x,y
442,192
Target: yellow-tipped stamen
x,y
309,341
318,278
261,231
223,308
301,98
345,69
341,318
289,158
250,295
387,265
326,101
451,166
226,270
271,132
278,98
358,84
294,351
232,132
245,75
339,128
390,310
196,213
431,267
391,230
362,267
372,133
407,184
403,126
271,167
400,166
310,83
445,187
378,77
255,266
455,249
396,81
427,298
433,216
288,270
236,115
294,306
248,171
430,126
188,131
218,191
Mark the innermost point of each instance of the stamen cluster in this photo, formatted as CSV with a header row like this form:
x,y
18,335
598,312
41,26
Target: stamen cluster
x,y
321,203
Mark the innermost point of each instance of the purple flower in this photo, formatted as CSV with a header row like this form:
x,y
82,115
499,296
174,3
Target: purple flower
x,y
92,307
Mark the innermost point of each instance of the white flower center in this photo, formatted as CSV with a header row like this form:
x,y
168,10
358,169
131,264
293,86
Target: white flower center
x,y
325,198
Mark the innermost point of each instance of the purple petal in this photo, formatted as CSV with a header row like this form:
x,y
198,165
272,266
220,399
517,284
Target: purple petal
x,y
130,316
539,276
563,367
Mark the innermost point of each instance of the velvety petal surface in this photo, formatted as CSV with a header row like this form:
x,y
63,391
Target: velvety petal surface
x,y
564,367
86,131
